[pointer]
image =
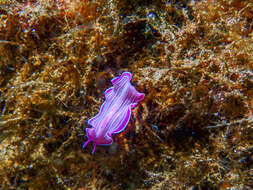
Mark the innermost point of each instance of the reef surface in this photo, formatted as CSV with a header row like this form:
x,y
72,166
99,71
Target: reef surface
x,y
192,59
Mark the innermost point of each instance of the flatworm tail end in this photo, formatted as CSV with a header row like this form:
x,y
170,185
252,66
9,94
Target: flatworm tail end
x,y
85,144
94,146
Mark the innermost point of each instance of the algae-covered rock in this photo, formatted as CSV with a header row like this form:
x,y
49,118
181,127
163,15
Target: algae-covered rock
x,y
192,59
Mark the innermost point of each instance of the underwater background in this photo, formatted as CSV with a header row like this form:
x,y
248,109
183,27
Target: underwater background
x,y
192,59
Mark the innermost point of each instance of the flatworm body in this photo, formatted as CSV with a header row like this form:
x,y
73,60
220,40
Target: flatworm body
x,y
115,112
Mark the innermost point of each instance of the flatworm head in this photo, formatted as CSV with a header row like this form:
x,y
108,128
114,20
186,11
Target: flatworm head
x,y
115,112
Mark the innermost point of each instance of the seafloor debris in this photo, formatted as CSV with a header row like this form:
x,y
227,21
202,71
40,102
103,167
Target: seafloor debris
x,y
192,59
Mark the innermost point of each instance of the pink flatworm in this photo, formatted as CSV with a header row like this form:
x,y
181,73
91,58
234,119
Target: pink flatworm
x,y
115,112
